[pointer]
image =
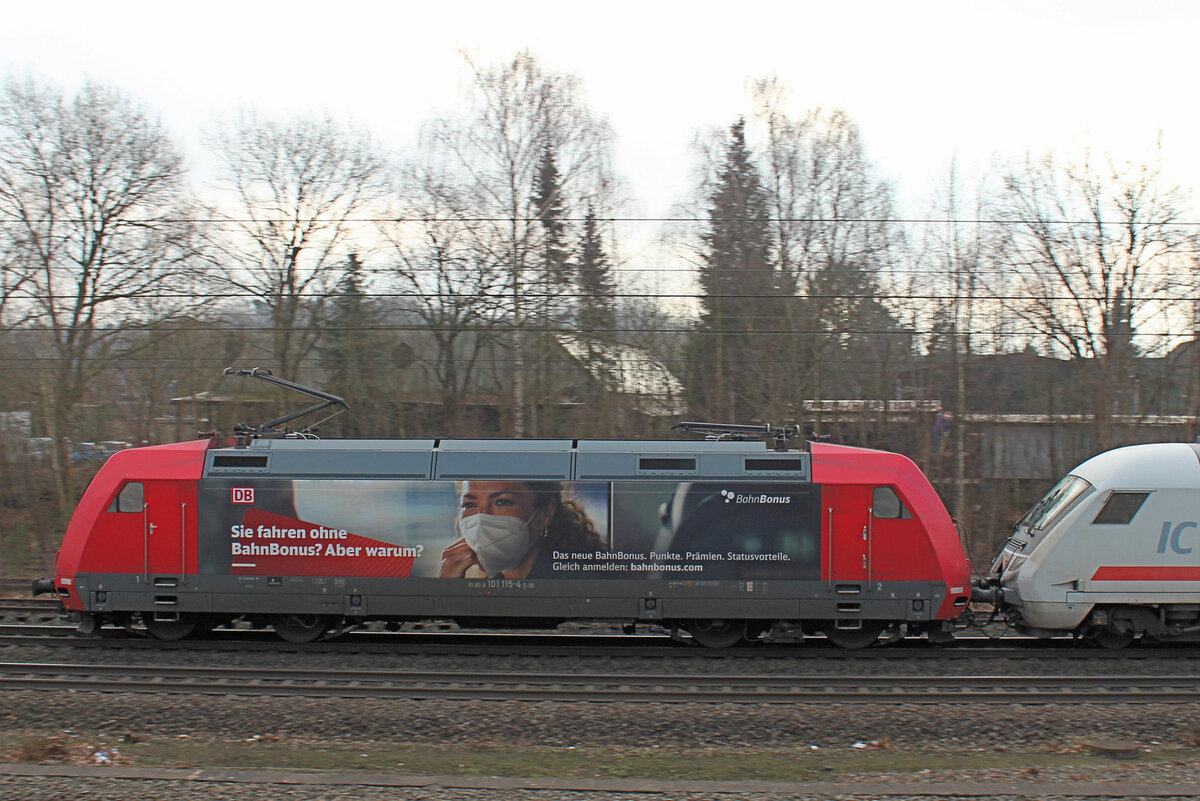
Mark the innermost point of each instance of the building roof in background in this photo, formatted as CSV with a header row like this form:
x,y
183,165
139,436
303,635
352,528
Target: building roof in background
x,y
630,371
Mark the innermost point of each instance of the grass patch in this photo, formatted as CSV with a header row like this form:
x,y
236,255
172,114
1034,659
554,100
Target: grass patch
x,y
16,550
541,762
43,749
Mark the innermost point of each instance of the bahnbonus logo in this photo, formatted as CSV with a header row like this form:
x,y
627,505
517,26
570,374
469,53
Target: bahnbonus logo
x,y
737,497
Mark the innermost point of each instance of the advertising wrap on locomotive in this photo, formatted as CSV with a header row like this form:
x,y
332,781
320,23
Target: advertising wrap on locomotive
x,y
613,530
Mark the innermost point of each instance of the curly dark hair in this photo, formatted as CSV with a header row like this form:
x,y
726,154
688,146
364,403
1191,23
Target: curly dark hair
x,y
569,528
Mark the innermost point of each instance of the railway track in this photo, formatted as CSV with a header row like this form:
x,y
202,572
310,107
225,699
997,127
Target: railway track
x,y
600,687
26,605
459,643
14,587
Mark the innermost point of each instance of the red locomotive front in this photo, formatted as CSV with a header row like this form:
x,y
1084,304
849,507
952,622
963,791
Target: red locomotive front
x,y
136,519
887,524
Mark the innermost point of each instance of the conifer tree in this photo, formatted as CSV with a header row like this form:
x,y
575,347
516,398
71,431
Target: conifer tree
x,y
596,316
359,356
549,209
730,349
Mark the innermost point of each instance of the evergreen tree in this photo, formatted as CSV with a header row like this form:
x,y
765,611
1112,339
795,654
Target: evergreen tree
x,y
855,339
596,317
731,350
549,210
359,357
551,277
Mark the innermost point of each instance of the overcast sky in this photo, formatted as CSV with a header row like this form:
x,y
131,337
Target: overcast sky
x,y
924,80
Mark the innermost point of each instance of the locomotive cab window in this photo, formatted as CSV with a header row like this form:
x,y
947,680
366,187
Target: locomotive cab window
x,y
132,498
1120,508
1047,511
888,506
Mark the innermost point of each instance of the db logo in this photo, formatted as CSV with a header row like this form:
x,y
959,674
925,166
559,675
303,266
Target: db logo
x,y
243,495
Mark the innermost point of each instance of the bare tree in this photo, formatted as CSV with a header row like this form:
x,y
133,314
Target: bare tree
x,y
519,111
835,240
291,197
174,358
442,264
93,211
829,205
1087,260
946,290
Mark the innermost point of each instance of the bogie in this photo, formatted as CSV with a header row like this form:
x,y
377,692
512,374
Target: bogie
x,y
1109,640
169,627
719,633
852,635
301,628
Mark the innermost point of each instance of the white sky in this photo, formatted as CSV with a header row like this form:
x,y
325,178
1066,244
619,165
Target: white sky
x,y
924,80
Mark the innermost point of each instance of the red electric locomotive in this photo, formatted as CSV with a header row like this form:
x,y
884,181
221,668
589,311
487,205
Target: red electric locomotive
x,y
727,539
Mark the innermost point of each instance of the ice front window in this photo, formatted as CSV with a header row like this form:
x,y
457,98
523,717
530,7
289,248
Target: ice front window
x,y
1064,493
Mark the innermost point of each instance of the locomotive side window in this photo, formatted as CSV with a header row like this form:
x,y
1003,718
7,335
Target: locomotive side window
x,y
649,463
888,506
1120,508
132,498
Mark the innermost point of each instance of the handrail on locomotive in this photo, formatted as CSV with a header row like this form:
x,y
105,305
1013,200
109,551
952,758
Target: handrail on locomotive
x,y
741,432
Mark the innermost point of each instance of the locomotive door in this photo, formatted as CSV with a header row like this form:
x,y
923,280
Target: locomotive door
x,y
164,528
848,531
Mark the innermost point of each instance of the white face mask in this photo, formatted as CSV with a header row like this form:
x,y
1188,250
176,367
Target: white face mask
x,y
500,542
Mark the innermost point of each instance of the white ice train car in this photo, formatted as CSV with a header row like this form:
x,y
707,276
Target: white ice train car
x,y
1111,553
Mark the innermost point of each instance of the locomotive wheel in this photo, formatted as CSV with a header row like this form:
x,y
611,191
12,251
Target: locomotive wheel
x,y
1110,640
717,633
170,629
853,639
300,628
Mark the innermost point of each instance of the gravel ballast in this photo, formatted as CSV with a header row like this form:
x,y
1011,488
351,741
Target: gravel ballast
x,y
926,732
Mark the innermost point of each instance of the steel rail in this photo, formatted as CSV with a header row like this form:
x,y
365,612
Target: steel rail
x,y
669,688
26,605
596,644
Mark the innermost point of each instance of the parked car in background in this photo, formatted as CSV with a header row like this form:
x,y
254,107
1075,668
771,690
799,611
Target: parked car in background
x,y
96,451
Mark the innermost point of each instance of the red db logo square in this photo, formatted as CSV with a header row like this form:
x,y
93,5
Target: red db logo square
x,y
243,494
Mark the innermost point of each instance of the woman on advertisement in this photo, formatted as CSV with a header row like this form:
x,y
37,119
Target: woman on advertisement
x,y
512,528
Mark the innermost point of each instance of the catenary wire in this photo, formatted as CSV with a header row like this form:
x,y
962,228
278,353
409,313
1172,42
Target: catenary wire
x,y
988,221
